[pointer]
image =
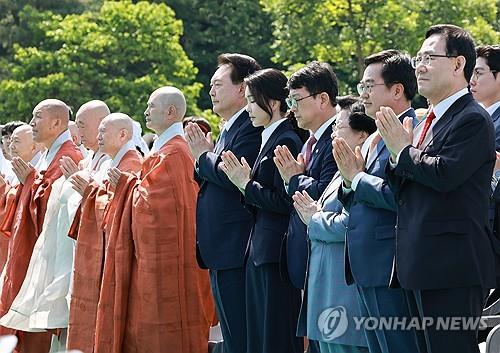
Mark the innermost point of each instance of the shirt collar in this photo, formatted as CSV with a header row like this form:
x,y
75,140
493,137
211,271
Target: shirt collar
x,y
492,108
174,130
324,127
231,121
49,155
130,145
36,159
268,131
441,108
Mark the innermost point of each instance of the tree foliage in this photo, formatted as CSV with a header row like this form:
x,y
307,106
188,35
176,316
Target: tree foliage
x,y
343,32
119,54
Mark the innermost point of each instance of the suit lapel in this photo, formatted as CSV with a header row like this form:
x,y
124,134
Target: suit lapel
x,y
332,187
496,115
271,142
319,146
233,131
445,121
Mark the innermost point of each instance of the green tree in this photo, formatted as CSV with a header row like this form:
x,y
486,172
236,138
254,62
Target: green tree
x,y
343,32
119,54
212,27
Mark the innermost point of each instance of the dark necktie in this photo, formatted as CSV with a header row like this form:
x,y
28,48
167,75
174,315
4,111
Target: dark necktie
x,y
308,153
427,125
220,142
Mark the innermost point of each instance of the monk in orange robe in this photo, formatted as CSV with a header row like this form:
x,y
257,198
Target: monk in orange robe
x,y
154,298
115,140
24,221
23,146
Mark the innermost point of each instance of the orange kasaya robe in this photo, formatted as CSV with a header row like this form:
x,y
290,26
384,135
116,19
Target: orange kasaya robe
x,y
154,297
89,257
24,221
7,200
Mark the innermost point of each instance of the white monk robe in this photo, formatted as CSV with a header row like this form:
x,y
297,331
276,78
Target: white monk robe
x,y
42,300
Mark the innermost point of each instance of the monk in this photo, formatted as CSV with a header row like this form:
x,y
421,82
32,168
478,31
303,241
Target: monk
x,y
25,219
23,146
115,140
75,136
160,300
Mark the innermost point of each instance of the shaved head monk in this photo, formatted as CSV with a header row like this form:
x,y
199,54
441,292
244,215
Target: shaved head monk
x,y
93,236
24,220
157,296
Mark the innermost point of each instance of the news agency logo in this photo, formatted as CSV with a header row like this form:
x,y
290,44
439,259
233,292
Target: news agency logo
x,y
332,323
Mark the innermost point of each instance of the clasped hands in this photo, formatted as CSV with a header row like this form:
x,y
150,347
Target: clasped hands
x,y
198,142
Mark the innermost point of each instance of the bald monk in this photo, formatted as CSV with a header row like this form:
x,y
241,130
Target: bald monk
x,y
75,136
163,302
22,146
115,139
24,222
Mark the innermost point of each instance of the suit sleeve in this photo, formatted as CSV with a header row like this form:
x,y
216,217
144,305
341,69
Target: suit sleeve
x,y
374,191
315,187
275,198
455,162
328,226
246,145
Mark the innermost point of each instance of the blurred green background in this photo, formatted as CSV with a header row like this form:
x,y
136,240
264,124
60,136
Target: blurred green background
x,y
120,51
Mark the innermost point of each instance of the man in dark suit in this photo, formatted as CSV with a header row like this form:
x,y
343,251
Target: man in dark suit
x,y
388,80
313,92
440,174
222,223
485,84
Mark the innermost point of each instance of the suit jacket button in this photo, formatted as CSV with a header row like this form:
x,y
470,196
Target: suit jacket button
x,y
401,202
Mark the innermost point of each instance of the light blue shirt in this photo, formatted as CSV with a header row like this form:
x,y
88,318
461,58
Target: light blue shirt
x,y
492,108
175,129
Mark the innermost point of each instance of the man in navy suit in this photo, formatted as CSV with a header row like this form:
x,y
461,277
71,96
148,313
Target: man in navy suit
x,y
440,173
388,80
313,92
485,84
222,223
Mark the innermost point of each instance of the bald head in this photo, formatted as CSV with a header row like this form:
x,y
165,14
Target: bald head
x,y
88,118
50,119
114,132
22,144
166,105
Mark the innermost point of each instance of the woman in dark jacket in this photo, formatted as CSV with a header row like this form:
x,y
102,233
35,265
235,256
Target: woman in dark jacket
x,y
272,304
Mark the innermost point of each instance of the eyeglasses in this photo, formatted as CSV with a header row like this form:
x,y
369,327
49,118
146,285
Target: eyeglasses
x,y
478,73
427,58
367,87
292,102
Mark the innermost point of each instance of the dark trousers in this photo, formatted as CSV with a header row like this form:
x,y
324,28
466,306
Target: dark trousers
x,y
383,302
455,303
272,311
228,289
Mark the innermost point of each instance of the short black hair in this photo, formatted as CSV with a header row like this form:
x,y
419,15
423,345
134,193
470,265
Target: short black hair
x,y
458,43
491,54
396,68
9,128
316,77
361,122
266,85
242,65
198,120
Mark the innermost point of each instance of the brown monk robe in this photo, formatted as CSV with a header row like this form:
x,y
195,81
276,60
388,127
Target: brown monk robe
x,y
24,223
154,298
23,146
114,136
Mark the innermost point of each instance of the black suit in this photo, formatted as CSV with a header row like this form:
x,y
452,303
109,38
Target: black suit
x,y
444,256
272,304
222,230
